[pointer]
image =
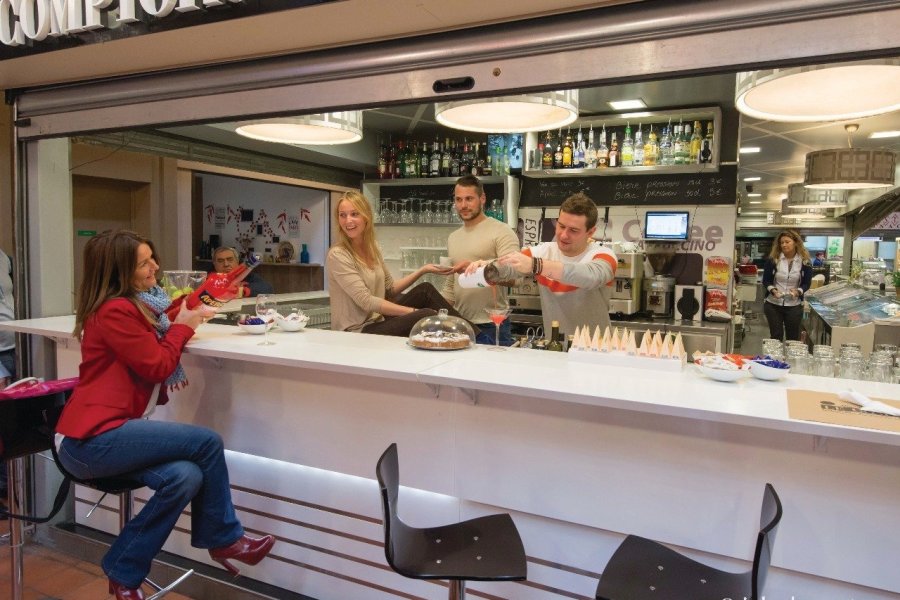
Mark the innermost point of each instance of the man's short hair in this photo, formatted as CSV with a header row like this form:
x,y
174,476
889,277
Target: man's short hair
x,y
226,249
579,204
471,181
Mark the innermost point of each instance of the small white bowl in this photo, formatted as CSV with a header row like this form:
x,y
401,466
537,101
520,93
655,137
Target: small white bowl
x,y
726,375
288,324
767,373
255,329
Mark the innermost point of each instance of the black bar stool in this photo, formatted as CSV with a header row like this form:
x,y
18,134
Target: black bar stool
x,y
642,569
123,488
483,549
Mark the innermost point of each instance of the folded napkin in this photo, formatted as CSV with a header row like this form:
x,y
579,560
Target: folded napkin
x,y
866,404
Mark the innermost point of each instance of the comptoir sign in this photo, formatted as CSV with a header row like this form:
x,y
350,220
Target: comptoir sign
x,y
28,21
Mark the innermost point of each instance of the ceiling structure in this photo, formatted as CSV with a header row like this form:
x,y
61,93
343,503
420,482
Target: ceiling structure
x,y
779,163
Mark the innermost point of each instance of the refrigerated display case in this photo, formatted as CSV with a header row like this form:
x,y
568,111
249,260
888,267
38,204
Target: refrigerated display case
x,y
845,304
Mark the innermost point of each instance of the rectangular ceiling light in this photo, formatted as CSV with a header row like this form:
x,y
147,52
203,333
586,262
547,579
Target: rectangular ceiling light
x,y
634,104
756,202
749,149
755,195
635,115
752,178
877,135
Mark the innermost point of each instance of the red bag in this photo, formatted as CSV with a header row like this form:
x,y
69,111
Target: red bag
x,y
29,409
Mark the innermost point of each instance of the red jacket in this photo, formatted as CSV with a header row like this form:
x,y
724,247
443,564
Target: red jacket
x,y
121,362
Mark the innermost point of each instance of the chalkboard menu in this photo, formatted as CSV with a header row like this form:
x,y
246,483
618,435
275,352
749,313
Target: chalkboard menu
x,y
434,192
619,190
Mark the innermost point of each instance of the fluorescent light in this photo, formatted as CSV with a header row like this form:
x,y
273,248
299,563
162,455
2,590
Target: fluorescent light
x,y
749,149
752,214
883,134
752,178
635,115
756,202
627,104
510,114
755,195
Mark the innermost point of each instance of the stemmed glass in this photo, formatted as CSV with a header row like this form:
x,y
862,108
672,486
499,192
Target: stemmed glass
x,y
497,315
265,310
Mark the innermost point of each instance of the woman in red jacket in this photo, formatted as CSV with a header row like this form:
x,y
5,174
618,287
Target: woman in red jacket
x,y
131,343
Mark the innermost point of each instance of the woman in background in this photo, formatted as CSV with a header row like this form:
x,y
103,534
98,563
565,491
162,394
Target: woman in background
x,y
786,277
364,296
132,338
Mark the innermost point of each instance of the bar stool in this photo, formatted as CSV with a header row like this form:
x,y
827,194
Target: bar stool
x,y
642,569
483,549
124,489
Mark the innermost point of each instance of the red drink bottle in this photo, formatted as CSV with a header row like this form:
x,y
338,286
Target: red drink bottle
x,y
219,288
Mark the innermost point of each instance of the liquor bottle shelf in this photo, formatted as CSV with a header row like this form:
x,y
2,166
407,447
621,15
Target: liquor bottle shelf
x,y
618,171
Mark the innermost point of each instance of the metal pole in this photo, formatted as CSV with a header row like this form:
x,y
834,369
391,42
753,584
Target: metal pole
x,y
457,589
17,505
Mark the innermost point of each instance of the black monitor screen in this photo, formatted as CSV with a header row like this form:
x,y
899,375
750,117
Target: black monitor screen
x,y
667,225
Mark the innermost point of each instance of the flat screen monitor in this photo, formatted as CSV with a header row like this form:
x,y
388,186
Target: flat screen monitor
x,y
667,225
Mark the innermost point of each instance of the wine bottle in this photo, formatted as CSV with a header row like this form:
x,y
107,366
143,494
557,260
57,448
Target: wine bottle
x,y
554,345
219,288
485,276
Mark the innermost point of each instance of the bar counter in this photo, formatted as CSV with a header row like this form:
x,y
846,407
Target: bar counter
x,y
580,454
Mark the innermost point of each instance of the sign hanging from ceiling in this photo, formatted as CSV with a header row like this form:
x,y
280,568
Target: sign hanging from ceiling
x,y
32,26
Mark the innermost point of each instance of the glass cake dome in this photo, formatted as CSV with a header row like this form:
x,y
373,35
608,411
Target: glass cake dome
x,y
442,332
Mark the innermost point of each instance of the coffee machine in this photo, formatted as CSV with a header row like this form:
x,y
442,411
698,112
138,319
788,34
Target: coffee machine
x,y
626,290
658,295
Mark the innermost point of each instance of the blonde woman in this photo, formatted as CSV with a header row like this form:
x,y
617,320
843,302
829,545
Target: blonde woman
x,y
786,277
364,296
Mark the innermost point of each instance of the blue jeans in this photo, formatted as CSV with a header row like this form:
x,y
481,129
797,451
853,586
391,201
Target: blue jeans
x,y
183,464
488,332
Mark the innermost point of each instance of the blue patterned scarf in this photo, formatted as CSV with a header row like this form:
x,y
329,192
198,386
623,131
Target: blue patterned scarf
x,y
157,300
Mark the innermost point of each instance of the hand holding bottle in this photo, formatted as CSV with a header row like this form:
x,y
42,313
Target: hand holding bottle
x,y
193,317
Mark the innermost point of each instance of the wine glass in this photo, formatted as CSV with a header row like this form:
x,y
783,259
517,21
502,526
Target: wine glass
x,y
497,315
265,310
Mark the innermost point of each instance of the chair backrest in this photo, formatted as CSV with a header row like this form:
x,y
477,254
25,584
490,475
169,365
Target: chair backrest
x,y
769,518
396,532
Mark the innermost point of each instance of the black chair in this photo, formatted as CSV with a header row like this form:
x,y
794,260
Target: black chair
x,y
483,549
123,488
642,569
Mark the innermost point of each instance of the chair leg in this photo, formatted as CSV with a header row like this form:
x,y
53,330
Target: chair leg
x,y
457,589
126,508
162,591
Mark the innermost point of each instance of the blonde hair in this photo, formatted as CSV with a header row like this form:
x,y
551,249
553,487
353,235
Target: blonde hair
x,y
775,253
368,243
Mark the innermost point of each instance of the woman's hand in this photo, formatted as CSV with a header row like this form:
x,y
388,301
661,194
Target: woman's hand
x,y
193,317
433,268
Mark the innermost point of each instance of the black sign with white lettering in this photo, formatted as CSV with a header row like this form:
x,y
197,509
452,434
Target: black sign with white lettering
x,y
640,190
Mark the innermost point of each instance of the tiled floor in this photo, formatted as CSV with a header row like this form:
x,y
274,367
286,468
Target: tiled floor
x,y
51,575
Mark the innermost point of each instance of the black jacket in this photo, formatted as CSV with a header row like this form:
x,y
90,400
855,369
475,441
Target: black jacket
x,y
769,276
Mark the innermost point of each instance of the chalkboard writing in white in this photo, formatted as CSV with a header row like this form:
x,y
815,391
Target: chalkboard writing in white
x,y
619,190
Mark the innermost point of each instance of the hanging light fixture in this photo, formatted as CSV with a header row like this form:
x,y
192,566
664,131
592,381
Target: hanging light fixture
x,y
799,196
849,168
343,127
510,114
820,92
801,214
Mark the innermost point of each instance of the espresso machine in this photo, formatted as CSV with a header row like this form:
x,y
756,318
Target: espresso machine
x,y
659,292
626,290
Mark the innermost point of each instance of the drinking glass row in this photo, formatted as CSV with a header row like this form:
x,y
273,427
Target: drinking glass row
x,y
416,210
883,364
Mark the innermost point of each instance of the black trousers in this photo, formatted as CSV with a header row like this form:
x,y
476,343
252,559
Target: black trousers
x,y
784,321
423,297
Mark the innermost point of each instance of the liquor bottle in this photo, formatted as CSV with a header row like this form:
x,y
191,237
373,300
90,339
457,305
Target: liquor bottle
x,y
578,156
304,255
613,159
696,139
383,163
400,173
554,345
476,163
219,288
706,147
392,161
424,161
602,150
412,160
558,155
445,158
627,155
454,161
685,144
434,163
638,159
547,158
465,163
665,147
567,151
651,149
590,156
487,169
678,146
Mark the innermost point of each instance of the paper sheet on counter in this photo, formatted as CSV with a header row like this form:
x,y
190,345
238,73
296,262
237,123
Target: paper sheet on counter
x,y
825,407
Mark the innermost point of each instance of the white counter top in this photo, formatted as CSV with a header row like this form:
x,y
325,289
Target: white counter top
x,y
529,373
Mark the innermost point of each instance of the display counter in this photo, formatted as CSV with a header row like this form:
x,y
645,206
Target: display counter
x,y
846,305
580,454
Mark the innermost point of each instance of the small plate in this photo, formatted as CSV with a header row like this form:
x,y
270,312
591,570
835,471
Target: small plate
x,y
726,375
410,344
291,324
767,373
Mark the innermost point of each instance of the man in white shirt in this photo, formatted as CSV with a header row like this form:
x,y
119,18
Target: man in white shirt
x,y
481,238
574,272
